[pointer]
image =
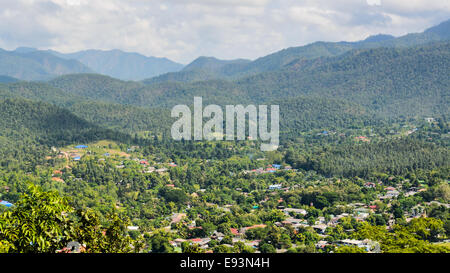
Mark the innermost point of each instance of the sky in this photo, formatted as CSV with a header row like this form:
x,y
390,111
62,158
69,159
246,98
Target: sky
x,y
183,30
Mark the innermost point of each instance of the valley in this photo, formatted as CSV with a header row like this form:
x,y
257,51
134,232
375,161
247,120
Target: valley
x,y
362,165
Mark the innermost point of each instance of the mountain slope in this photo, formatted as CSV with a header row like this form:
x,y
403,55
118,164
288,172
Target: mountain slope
x,y
122,65
7,79
39,91
305,113
104,113
202,69
37,65
124,118
327,49
212,64
28,129
391,81
278,60
442,30
96,87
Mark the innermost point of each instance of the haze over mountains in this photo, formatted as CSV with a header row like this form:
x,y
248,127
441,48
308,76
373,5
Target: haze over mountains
x,y
32,64
122,65
29,64
277,60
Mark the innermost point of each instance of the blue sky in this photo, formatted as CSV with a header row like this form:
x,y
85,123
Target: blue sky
x,y
185,29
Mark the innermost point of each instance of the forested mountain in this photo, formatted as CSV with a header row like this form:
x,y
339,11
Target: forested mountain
x,y
32,64
297,115
391,81
360,87
305,113
393,156
97,87
278,60
378,38
394,82
202,69
442,31
125,118
24,118
212,64
7,79
39,91
122,65
28,129
326,49
48,124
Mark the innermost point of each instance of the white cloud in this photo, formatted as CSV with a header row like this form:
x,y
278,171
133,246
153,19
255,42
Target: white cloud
x,y
374,2
73,2
183,30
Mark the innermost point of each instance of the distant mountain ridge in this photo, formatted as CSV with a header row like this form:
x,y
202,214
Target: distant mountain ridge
x,y
277,60
7,79
212,63
122,65
359,86
391,81
28,64
201,69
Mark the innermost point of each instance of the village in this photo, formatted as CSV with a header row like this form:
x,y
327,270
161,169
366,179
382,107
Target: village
x,y
296,218
272,196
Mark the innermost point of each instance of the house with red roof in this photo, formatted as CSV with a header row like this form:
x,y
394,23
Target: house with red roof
x,y
234,231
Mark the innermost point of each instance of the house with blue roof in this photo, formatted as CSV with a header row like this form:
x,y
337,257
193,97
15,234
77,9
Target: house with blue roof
x,y
81,146
275,187
5,203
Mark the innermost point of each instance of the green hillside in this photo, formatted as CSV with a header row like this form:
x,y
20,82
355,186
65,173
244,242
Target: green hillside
x,y
97,87
28,129
373,83
208,68
37,65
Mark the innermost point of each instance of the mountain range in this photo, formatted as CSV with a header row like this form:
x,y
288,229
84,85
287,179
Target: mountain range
x,y
205,68
26,64
39,65
321,85
32,64
122,65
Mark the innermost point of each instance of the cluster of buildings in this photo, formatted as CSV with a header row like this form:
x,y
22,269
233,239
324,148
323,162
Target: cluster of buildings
x,y
148,168
238,235
269,169
368,245
362,138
